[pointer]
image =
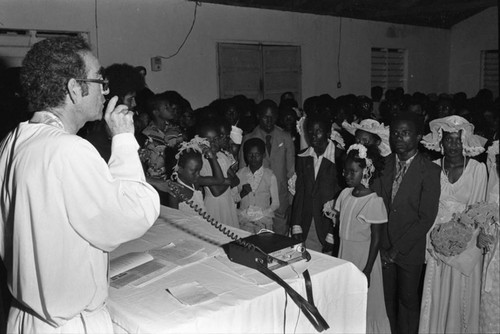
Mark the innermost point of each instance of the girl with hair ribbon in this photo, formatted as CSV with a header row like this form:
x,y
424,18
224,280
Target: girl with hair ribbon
x,y
362,215
187,177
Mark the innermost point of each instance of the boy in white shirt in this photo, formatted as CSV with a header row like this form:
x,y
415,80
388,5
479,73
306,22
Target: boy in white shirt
x,y
258,189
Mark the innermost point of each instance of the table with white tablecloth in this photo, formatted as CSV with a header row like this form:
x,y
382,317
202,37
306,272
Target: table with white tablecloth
x,y
240,305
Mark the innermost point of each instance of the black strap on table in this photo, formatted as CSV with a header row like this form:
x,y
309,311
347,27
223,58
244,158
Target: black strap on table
x,y
306,306
309,291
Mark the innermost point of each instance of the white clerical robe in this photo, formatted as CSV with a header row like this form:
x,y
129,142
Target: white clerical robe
x,y
62,210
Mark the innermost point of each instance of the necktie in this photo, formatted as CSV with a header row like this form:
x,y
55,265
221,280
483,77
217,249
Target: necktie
x,y
401,170
268,144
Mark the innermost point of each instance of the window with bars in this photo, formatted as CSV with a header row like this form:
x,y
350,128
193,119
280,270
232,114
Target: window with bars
x,y
489,70
388,68
259,71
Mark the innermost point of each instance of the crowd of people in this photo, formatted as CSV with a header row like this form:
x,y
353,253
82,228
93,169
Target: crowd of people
x,y
365,179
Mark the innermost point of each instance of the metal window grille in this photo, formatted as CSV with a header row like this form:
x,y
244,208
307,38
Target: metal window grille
x,y
259,71
489,70
388,68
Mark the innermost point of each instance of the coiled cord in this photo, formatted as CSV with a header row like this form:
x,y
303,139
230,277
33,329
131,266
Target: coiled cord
x,y
219,226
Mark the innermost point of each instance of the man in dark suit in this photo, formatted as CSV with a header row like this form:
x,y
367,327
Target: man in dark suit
x,y
279,157
410,187
316,184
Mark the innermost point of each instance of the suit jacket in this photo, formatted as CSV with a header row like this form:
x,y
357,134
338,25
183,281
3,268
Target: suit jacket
x,y
414,209
312,193
281,161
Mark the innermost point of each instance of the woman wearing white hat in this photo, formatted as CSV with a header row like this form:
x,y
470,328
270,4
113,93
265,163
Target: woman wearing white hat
x,y
369,132
450,301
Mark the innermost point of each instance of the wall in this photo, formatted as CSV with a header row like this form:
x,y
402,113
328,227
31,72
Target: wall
x,y
134,31
468,39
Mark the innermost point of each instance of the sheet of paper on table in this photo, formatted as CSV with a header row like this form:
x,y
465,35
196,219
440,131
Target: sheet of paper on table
x,y
127,262
191,293
182,252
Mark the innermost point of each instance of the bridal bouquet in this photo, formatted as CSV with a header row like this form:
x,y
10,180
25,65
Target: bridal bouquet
x,y
451,238
454,242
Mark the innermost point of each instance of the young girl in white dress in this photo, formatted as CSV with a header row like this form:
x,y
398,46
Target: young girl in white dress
x,y
187,175
362,215
219,200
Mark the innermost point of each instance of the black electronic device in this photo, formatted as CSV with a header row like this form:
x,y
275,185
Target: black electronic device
x,y
278,251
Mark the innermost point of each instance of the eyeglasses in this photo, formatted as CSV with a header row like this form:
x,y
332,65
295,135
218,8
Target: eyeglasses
x,y
103,82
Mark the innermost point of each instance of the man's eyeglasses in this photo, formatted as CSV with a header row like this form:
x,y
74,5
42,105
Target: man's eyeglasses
x,y
103,82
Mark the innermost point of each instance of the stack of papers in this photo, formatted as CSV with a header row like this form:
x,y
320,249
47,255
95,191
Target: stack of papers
x,y
142,268
137,269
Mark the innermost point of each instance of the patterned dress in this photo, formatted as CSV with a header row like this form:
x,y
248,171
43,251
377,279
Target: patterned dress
x,y
153,153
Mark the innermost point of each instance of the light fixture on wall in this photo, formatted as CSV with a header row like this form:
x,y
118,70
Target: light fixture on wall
x,y
156,64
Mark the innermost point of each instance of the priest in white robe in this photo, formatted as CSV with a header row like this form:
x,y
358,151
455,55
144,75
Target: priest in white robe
x,y
63,209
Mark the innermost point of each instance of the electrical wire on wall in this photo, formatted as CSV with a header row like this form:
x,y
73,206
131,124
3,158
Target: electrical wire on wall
x,y
339,83
96,29
196,4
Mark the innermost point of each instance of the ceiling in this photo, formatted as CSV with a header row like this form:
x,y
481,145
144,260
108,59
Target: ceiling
x,y
429,13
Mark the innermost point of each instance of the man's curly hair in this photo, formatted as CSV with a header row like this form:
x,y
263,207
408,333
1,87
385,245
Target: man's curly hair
x,y
48,67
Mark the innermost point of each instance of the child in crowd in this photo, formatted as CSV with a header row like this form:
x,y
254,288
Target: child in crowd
x,y
219,200
258,189
187,174
235,139
361,215
225,142
161,132
228,150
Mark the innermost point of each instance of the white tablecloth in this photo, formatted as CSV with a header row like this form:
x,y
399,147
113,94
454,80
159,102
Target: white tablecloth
x,y
241,306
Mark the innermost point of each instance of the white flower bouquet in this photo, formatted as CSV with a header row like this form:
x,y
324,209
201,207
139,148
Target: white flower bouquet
x,y
454,242
329,212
